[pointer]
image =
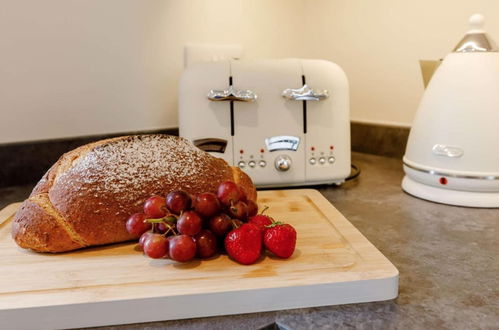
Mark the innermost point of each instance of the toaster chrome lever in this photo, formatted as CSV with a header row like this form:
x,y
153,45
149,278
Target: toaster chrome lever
x,y
304,93
232,94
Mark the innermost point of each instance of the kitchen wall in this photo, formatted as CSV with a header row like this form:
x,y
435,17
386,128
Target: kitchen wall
x,y
83,67
379,45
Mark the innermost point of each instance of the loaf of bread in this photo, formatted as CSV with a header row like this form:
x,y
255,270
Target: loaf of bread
x,y
86,197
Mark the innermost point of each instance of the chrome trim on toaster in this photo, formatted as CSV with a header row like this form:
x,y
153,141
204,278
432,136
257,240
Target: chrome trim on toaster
x,y
232,94
451,175
304,93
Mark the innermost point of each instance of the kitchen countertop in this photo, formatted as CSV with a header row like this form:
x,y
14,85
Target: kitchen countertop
x,y
447,256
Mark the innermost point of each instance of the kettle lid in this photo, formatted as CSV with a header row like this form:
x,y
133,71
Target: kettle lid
x,y
476,39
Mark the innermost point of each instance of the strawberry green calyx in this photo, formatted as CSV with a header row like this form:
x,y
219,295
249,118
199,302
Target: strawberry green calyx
x,y
274,224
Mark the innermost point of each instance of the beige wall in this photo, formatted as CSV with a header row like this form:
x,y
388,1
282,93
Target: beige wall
x,y
80,67
379,43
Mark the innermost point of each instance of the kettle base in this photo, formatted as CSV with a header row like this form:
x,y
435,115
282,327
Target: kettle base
x,y
451,197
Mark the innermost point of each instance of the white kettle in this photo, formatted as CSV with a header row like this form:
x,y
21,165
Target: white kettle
x,y
452,154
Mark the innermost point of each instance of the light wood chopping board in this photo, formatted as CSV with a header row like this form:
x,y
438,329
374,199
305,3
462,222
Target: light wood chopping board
x,y
333,264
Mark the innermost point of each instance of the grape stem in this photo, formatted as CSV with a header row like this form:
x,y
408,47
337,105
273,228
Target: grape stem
x,y
168,218
171,228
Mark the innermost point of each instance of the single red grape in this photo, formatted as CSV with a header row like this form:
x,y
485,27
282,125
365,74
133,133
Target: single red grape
x,y
161,228
207,204
228,193
206,244
143,238
189,223
155,207
178,201
182,248
239,211
136,224
155,246
220,224
252,208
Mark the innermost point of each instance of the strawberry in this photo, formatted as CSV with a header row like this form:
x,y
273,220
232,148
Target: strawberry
x,y
280,239
261,221
244,244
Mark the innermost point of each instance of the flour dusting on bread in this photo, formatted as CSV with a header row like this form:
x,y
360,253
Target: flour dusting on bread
x,y
123,167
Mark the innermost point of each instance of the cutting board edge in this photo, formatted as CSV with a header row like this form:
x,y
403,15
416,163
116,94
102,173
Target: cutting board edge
x,y
118,312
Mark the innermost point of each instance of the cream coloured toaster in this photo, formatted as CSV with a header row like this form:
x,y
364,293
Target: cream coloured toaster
x,y
284,122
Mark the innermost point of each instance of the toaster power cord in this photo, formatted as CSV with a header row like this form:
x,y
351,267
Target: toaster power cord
x,y
355,173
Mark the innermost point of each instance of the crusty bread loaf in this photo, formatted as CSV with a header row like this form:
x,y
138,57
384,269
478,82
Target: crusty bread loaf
x,y
86,196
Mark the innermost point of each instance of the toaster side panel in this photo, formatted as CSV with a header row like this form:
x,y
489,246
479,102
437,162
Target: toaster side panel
x,y
327,149
206,123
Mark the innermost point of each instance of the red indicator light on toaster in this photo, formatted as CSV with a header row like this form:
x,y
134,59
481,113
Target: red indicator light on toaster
x,y
312,148
331,147
443,181
262,150
241,151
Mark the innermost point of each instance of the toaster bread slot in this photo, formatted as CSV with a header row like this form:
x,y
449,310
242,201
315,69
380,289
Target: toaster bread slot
x,y
211,145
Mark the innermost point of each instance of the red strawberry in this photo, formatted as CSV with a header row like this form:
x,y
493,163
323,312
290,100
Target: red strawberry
x,y
244,244
261,221
280,239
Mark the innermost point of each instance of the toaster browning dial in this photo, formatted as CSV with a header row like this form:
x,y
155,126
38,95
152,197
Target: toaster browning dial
x,y
282,163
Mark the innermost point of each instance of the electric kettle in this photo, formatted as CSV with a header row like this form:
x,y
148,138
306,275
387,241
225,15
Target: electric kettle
x,y
452,154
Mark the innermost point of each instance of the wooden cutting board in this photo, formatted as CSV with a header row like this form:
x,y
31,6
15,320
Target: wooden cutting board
x,y
333,264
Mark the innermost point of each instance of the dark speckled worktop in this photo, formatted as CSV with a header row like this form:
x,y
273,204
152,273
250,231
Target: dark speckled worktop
x,y
448,258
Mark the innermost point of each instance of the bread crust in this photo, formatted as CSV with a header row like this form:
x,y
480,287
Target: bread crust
x,y
35,228
93,189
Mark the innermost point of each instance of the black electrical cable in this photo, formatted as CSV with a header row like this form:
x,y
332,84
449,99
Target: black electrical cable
x,y
355,173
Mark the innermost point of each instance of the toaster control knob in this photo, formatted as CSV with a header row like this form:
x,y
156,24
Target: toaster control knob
x,y
251,164
282,163
331,160
241,164
322,160
262,163
312,161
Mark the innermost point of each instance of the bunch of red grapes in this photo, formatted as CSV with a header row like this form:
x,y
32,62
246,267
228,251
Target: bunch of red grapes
x,y
182,227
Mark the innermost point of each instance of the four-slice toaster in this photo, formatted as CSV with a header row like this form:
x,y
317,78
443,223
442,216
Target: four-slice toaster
x,y
284,122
